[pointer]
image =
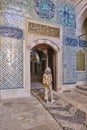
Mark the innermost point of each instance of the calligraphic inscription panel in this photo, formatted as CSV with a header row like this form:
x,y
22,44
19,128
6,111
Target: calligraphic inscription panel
x,y
43,30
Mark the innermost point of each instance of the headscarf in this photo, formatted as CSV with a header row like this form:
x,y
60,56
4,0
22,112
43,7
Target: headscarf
x,y
48,70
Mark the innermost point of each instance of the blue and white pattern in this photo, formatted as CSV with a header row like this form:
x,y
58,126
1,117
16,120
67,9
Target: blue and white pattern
x,y
44,8
71,46
11,51
70,74
11,32
11,63
16,6
71,41
67,15
82,43
69,65
74,42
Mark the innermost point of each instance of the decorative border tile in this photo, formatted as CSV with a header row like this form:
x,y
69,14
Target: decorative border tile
x,y
82,43
11,32
75,42
67,83
71,41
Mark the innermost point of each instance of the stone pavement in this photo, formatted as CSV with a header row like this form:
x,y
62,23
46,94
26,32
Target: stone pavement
x,y
25,114
68,112
68,116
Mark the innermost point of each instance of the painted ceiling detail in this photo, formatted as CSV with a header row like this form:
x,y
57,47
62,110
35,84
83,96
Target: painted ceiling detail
x,y
44,8
67,15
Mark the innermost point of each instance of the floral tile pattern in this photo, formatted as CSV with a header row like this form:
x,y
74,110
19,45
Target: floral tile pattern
x,y
44,8
67,15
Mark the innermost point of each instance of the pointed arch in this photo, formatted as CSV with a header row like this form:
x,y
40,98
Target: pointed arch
x,y
57,60
44,41
80,19
80,60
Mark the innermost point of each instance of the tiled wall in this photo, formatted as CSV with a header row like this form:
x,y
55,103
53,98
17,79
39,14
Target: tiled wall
x,y
71,45
49,11
11,51
11,60
12,30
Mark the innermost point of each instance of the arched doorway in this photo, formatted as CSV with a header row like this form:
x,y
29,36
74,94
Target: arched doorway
x,y
81,20
84,30
42,55
55,49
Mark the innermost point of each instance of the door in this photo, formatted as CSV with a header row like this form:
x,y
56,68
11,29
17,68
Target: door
x,y
52,65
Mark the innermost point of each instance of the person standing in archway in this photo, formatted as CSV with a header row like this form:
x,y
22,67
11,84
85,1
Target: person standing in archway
x,y
47,82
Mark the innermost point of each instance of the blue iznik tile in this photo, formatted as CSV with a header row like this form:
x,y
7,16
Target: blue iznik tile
x,y
82,43
11,32
71,41
44,8
67,15
11,63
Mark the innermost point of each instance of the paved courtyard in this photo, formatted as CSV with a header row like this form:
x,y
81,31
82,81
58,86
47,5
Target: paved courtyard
x,y
25,114
66,109
68,112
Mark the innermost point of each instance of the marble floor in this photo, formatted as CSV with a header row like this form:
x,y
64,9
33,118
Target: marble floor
x,y
67,112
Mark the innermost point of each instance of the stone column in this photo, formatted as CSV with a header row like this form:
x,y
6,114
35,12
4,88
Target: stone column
x,y
46,53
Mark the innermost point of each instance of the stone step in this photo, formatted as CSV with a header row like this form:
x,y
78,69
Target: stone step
x,y
81,89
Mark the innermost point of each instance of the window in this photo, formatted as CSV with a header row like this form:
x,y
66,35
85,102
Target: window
x,y
80,61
